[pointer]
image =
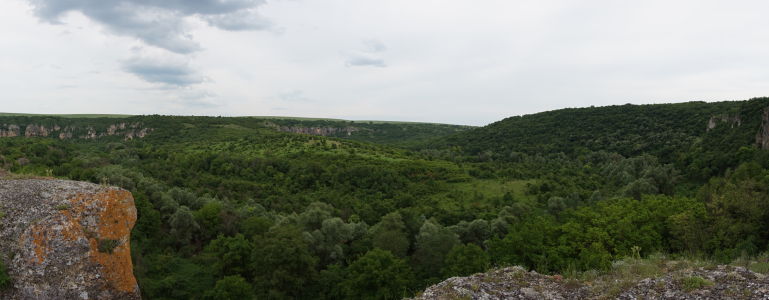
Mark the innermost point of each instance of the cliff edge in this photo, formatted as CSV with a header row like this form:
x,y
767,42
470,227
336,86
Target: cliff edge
x,y
64,239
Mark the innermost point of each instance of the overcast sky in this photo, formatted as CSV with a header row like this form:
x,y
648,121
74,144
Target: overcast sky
x,y
448,61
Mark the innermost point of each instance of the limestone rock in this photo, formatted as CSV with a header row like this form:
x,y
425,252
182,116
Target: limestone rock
x,y
66,240
718,282
762,137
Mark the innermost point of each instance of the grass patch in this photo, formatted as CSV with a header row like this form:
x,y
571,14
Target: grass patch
x,y
758,267
5,280
694,283
108,245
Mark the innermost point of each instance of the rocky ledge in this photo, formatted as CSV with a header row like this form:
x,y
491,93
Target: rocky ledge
x,y
66,240
711,282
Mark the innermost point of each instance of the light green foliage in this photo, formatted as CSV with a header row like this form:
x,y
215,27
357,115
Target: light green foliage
x,y
378,275
694,283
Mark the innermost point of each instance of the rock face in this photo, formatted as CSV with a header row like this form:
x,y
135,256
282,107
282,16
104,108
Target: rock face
x,y
128,131
322,131
762,137
718,282
731,120
66,240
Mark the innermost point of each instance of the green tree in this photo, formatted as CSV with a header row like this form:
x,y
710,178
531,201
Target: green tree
x,y
183,225
282,263
333,238
208,219
231,288
464,260
233,254
390,234
378,275
432,244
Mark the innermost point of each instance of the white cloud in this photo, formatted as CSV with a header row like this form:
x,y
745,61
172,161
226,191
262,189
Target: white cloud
x,y
448,61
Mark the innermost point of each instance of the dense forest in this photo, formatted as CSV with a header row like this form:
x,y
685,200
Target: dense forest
x,y
233,208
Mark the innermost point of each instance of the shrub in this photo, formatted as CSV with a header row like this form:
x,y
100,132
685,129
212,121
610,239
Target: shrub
x,y
108,245
695,282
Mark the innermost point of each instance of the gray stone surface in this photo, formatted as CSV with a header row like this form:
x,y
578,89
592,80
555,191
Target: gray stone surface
x,y
66,240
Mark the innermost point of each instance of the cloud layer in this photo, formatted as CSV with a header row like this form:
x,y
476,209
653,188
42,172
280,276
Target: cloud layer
x,y
169,72
159,23
370,54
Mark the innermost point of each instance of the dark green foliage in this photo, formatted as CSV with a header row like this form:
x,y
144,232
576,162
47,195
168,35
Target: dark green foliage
x,y
432,245
230,205
464,260
108,245
231,287
232,255
390,234
378,275
5,280
282,264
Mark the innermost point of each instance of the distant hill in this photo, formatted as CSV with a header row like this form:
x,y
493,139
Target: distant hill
x,y
94,125
668,131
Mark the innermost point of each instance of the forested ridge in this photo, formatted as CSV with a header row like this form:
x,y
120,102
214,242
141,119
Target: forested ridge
x,y
230,208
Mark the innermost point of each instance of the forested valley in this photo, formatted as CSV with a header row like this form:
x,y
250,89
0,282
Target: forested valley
x,y
233,208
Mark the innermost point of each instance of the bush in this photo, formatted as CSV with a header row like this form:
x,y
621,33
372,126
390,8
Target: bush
x,y
108,245
695,282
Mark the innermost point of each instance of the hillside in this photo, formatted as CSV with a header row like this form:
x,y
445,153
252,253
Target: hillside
x,y
692,134
92,126
250,207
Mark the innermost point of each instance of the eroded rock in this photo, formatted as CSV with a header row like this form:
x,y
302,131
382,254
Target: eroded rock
x,y
66,240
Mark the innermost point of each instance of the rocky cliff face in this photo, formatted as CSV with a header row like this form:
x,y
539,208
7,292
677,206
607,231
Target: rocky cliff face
x,y
323,131
762,137
127,130
730,120
66,240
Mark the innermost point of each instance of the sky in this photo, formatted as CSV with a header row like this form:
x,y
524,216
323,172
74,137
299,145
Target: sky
x,y
446,61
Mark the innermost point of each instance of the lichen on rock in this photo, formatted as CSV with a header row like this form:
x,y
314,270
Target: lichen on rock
x,y
50,236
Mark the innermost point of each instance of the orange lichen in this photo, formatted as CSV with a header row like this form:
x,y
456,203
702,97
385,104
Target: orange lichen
x,y
116,217
39,241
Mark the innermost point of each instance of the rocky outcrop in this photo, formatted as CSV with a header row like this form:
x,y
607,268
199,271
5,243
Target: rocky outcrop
x,y
128,131
9,130
66,240
717,282
731,120
324,131
762,137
